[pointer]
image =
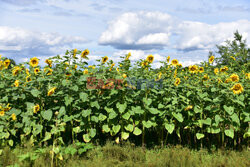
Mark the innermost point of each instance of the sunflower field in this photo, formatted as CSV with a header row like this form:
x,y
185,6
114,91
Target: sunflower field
x,y
68,101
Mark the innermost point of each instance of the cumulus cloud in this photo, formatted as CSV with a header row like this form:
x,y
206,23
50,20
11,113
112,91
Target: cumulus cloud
x,y
25,42
156,30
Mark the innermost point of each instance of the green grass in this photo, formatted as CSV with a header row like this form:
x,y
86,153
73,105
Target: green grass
x,y
127,155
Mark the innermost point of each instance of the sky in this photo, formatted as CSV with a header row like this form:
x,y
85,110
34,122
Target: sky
x,y
181,29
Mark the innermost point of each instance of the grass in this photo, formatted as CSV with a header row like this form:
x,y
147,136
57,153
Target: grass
x,y
126,155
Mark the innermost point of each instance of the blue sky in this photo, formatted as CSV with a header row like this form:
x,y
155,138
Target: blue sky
x,y
182,29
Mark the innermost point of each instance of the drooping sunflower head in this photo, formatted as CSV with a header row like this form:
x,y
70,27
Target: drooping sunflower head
x,y
128,56
16,83
86,71
211,59
28,79
193,69
247,75
105,59
168,58
49,62
85,53
216,70
201,69
124,75
234,77
174,62
177,81
189,107
237,88
34,62
16,70
49,72
205,77
6,63
13,116
224,69
2,113
150,58
36,70
144,64
51,91
228,80
74,53
36,108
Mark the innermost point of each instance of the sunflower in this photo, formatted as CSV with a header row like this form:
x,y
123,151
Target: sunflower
x,y
128,56
216,70
49,71
105,59
237,88
150,58
86,71
205,77
27,71
1,65
51,91
144,63
193,68
168,58
36,70
159,76
85,53
2,113
34,62
233,58
177,81
7,108
75,67
36,108
49,62
6,63
175,73
124,75
189,107
211,59
93,67
74,53
179,65
247,75
13,116
234,77
201,69
228,80
174,62
16,70
224,69
219,81
117,69
28,79
16,83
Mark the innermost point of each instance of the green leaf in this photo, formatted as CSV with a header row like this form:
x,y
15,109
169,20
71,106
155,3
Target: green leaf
x,y
147,124
77,129
217,119
47,114
213,89
125,135
126,115
137,131
109,110
68,100
178,116
129,127
105,128
121,107
102,117
229,133
147,102
207,121
153,110
197,109
112,115
75,88
229,110
95,104
160,106
246,135
137,110
94,119
83,96
116,128
65,82
86,113
11,142
235,118
213,130
86,138
199,136
35,92
92,132
47,136
170,128
62,112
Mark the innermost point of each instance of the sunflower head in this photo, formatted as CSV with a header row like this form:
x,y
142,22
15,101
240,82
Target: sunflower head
x,y
174,62
233,58
205,77
105,59
234,77
49,62
74,53
16,83
189,107
28,79
168,58
51,91
247,75
13,116
177,81
2,113
85,53
34,62
201,69
211,59
36,70
86,71
6,63
193,69
144,64
237,88
124,75
224,69
16,70
128,56
36,108
150,58
216,70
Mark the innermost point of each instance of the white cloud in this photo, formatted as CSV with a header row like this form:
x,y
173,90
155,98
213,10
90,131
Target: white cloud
x,y
156,30
24,42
